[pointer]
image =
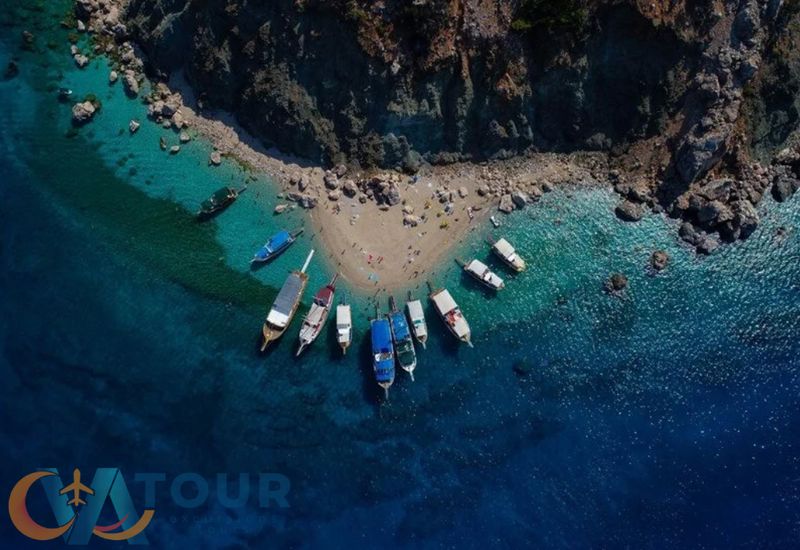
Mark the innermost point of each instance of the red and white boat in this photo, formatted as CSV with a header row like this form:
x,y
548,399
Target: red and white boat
x,y
315,320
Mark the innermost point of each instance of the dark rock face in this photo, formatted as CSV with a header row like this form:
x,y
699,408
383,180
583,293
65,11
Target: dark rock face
x,y
446,79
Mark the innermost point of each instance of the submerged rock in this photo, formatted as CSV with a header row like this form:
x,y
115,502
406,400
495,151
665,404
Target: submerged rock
x,y
215,158
280,209
617,282
112,77
133,126
629,211
175,149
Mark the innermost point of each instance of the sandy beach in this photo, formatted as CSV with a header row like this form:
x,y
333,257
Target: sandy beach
x,y
374,246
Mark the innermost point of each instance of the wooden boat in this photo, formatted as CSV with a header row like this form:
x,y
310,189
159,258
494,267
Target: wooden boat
x,y
451,314
401,337
481,273
276,245
285,306
344,326
503,250
317,316
221,199
382,352
417,317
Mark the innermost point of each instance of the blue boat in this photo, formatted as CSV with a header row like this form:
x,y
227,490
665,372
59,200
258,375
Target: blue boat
x,y
275,246
382,353
403,342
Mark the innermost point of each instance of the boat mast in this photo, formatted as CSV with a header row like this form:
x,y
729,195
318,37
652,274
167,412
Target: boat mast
x,y
308,261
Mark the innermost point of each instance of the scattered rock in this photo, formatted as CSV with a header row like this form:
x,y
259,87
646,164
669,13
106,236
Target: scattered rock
x,y
411,220
659,260
334,195
784,186
408,209
80,60
280,209
112,77
83,112
303,184
215,158
340,170
331,181
463,192
133,126
706,244
81,26
175,149
629,211
184,137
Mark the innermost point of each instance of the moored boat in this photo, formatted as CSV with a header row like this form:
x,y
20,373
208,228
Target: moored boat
x,y
403,342
316,317
285,306
451,314
382,352
221,199
276,244
416,314
494,221
344,326
503,250
481,273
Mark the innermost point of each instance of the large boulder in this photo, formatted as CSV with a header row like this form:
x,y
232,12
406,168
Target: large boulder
x,y
659,260
83,112
784,185
131,83
506,204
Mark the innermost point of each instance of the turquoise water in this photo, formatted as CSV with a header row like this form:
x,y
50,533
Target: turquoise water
x,y
128,337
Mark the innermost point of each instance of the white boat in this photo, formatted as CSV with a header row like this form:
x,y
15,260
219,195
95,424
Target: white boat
x,y
503,250
451,315
316,317
417,317
494,221
344,326
481,273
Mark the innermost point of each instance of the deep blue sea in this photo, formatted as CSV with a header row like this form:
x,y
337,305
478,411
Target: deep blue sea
x,y
667,418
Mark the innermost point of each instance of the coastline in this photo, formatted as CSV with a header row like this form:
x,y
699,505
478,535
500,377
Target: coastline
x,y
381,229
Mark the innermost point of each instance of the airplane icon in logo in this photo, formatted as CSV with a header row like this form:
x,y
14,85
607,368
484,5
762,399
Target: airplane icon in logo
x,y
76,487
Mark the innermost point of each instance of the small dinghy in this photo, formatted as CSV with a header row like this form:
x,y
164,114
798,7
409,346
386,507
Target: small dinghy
x,y
276,245
494,221
503,250
481,273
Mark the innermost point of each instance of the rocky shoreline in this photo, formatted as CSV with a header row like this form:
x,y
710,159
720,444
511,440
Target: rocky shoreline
x,y
701,170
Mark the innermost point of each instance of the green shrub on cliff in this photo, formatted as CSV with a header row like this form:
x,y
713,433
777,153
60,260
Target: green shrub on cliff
x,y
550,15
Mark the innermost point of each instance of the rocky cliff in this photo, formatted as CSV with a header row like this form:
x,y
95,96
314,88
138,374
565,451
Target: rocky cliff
x,y
696,102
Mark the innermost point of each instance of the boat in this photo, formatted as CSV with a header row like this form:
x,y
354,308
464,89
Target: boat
x,y
494,221
285,306
276,245
221,199
417,317
401,337
481,273
382,352
503,250
451,314
64,94
344,326
316,317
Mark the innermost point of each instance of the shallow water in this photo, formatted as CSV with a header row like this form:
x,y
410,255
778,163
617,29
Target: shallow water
x,y
128,334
